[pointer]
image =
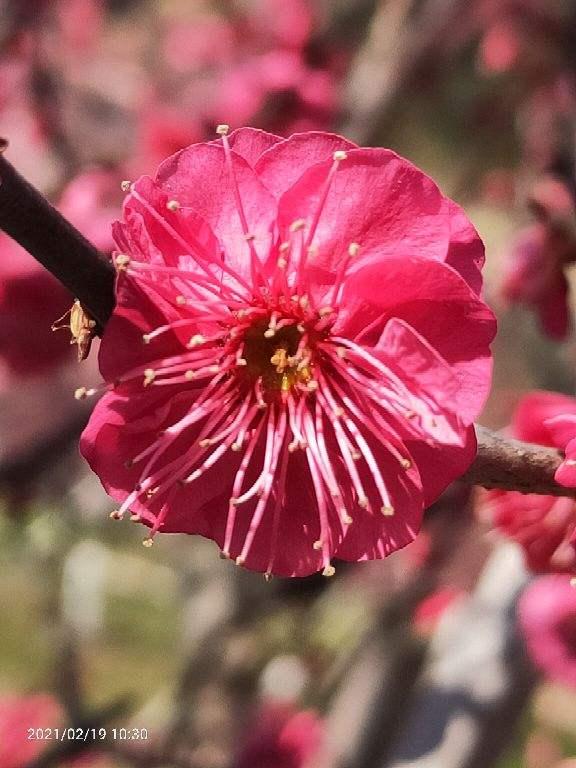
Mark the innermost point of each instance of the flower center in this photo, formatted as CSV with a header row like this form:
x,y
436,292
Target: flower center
x,y
277,356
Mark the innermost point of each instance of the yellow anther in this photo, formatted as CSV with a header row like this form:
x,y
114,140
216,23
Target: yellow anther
x,y
353,249
329,571
341,352
224,555
317,545
284,247
125,185
146,338
147,543
240,560
222,129
180,300
135,518
363,502
297,225
269,333
196,340
173,205
387,511
280,360
81,393
149,376
346,519
406,463
189,375
340,155
122,260
267,576
116,515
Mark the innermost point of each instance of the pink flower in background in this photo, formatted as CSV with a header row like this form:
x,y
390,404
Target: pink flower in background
x,y
17,715
430,610
297,352
542,252
91,201
281,737
544,526
547,615
30,301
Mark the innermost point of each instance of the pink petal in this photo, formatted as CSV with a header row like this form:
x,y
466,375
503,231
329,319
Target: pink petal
x,y
378,200
199,178
433,299
373,535
562,428
282,166
251,143
530,420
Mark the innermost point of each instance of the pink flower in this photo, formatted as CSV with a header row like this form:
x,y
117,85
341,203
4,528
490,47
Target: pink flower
x,y
542,252
30,301
297,353
547,615
281,737
17,715
544,526
431,609
91,201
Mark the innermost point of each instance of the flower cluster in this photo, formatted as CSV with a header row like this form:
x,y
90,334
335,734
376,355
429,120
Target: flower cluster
x,y
283,369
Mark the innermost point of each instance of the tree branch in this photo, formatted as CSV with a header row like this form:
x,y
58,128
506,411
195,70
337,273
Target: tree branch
x,y
513,465
28,218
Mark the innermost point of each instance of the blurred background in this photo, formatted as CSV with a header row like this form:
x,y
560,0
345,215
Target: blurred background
x,y
172,656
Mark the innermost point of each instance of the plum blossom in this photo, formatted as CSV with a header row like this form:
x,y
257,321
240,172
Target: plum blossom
x,y
30,301
297,353
536,272
17,714
281,737
547,616
544,526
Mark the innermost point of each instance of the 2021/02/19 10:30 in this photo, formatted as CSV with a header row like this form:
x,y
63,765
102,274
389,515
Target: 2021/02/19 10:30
x,y
87,734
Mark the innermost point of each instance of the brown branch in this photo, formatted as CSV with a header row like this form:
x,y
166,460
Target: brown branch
x,y
513,465
28,217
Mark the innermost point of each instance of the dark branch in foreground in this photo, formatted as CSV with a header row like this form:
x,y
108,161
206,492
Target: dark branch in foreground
x,y
28,217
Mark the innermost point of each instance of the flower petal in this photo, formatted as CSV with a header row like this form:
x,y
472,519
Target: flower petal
x,y
251,143
282,166
434,300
